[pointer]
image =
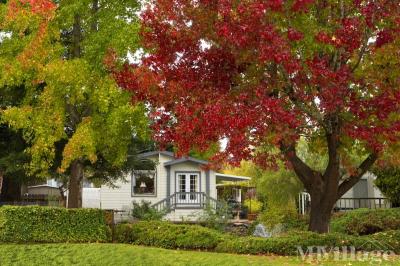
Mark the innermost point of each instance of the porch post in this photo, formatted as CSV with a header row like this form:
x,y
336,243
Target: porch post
x,y
208,182
168,180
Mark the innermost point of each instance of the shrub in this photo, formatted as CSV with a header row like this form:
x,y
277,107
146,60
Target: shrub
x,y
391,239
366,221
288,245
216,219
168,235
283,245
286,215
173,236
388,181
144,211
52,225
253,205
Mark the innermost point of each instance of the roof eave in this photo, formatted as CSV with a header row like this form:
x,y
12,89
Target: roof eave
x,y
153,153
186,159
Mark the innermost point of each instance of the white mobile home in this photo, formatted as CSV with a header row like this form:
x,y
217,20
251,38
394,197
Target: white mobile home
x,y
183,185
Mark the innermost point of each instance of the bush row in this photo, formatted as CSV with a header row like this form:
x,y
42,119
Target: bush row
x,y
52,225
168,235
173,236
366,221
289,245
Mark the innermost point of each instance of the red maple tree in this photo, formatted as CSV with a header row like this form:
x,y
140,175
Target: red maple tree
x,y
266,73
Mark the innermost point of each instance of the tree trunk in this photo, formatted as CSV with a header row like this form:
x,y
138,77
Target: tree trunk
x,y
76,38
76,176
325,188
1,180
75,185
321,210
63,198
95,9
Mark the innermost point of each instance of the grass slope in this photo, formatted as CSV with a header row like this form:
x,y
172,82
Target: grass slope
x,y
122,254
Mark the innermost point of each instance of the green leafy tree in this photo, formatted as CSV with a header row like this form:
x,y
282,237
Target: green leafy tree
x,y
12,146
388,181
278,189
12,159
72,107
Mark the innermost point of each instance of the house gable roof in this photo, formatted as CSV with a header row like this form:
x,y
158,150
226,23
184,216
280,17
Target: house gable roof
x,y
174,159
152,153
185,159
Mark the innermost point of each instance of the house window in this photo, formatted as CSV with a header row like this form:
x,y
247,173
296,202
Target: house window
x,y
144,182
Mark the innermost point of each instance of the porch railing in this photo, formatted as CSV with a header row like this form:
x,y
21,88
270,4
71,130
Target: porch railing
x,y
344,204
187,200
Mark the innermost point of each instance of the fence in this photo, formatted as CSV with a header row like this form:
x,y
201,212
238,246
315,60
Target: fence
x,y
37,199
91,198
345,204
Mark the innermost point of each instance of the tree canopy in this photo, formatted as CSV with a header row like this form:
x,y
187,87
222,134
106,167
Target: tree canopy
x,y
56,52
262,74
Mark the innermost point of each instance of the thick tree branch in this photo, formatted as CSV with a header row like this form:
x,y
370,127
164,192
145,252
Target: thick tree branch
x,y
353,179
311,111
95,9
332,139
361,53
306,175
1,180
76,38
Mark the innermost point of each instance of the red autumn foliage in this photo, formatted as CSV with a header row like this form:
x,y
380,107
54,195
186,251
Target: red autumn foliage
x,y
218,69
264,73
38,7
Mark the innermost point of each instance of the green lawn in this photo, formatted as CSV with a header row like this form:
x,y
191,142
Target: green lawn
x,y
122,254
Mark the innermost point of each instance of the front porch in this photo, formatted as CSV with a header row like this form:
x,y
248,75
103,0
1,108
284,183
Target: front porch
x,y
234,193
187,198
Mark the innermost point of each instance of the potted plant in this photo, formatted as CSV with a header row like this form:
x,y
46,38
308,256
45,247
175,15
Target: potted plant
x,y
254,207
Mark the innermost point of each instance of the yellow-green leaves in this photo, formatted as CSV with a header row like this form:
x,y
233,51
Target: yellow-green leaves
x,y
43,126
70,101
82,145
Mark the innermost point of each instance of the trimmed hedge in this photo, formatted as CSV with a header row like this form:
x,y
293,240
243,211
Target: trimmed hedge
x,y
52,225
288,245
387,238
173,236
366,221
168,235
283,245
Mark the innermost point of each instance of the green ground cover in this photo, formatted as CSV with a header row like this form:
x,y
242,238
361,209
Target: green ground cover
x,y
124,254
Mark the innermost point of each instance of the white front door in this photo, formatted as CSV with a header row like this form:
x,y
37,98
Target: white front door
x,y
187,186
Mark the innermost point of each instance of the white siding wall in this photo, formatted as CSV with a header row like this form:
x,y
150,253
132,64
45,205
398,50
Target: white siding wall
x,y
373,191
118,198
162,174
121,198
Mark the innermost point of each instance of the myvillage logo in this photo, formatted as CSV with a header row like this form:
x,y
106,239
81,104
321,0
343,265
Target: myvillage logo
x,y
378,252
